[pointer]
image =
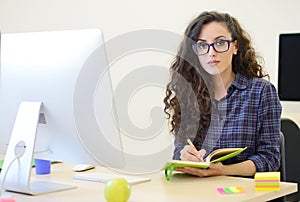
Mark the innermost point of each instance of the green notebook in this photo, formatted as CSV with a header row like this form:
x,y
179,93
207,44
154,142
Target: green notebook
x,y
215,156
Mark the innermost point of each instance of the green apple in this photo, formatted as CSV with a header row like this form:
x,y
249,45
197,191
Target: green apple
x,y
117,190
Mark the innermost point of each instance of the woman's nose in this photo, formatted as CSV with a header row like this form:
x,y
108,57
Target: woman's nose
x,y
211,51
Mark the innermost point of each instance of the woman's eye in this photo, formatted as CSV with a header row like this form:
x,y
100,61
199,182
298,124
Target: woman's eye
x,y
220,43
202,46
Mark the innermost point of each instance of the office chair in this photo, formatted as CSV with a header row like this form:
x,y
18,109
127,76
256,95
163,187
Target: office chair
x,y
290,155
282,168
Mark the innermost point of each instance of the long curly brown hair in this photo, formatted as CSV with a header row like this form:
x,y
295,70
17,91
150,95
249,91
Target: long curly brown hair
x,y
189,93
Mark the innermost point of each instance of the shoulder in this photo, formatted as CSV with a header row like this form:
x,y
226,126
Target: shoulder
x,y
262,85
255,84
265,92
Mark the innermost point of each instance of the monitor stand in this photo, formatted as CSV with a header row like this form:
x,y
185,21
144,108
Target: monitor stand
x,y
16,170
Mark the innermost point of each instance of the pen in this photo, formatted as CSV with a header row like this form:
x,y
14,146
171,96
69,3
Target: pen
x,y
192,145
200,154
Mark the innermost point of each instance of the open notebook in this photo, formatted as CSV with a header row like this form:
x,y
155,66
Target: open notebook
x,y
214,157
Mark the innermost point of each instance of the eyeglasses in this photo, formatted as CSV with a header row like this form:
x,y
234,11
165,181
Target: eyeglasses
x,y
201,48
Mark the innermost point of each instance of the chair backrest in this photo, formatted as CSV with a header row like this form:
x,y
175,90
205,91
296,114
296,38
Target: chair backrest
x,y
282,168
291,154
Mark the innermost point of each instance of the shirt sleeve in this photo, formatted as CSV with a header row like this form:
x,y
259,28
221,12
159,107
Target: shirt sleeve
x,y
267,154
177,149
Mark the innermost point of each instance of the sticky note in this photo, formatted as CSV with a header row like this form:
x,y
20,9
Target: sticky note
x,y
234,189
230,190
221,190
267,181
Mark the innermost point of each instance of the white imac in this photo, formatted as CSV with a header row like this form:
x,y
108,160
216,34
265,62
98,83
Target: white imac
x,y
56,103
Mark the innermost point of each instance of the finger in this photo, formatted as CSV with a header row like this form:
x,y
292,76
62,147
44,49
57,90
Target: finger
x,y
194,171
186,156
201,153
184,150
192,150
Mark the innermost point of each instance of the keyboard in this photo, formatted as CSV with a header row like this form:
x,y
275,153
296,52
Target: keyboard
x,y
104,177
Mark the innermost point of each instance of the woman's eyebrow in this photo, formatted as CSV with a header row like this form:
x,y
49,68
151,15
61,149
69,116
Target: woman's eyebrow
x,y
221,36
201,40
218,37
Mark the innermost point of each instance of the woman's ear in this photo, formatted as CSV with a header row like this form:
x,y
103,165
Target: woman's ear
x,y
235,48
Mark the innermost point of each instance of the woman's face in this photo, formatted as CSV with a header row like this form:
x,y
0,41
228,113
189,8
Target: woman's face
x,y
213,62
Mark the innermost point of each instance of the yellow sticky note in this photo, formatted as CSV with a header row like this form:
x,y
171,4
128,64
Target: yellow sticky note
x,y
267,181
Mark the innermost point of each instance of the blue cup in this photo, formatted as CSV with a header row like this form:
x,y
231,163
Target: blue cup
x,y
42,167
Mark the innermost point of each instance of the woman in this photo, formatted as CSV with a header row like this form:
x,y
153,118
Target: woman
x,y
217,97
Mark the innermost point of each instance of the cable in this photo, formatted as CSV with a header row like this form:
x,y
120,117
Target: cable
x,y
6,171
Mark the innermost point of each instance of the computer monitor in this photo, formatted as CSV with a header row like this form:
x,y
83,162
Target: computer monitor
x,y
288,69
56,103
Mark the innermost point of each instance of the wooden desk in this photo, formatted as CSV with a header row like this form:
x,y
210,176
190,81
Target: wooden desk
x,y
180,188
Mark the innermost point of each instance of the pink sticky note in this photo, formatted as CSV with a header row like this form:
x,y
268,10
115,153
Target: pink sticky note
x,y
221,191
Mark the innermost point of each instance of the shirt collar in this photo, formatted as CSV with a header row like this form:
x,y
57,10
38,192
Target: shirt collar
x,y
240,82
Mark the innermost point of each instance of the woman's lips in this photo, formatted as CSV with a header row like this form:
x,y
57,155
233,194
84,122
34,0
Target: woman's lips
x,y
213,62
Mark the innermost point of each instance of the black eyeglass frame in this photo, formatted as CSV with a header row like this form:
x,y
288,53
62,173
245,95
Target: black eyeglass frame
x,y
212,44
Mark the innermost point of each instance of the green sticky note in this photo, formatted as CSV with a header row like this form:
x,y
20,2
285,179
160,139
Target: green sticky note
x,y
228,190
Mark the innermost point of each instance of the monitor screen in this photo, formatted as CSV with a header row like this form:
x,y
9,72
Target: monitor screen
x,y
66,71
289,67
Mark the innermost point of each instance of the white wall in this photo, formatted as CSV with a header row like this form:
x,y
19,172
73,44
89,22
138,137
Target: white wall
x,y
264,20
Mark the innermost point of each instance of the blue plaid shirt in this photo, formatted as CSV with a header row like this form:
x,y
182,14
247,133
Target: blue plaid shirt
x,y
249,116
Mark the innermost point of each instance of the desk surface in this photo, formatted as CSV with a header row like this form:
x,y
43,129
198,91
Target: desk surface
x,y
180,188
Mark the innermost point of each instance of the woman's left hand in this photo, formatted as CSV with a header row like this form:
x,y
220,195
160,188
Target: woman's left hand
x,y
214,169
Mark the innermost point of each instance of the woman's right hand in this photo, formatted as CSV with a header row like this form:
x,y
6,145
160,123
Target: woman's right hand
x,y
189,153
